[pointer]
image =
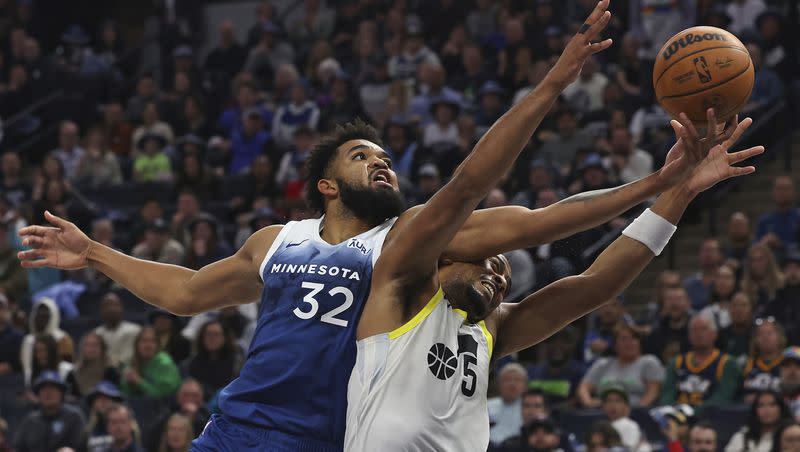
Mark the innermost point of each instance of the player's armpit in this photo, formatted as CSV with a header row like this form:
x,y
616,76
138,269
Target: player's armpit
x,y
231,281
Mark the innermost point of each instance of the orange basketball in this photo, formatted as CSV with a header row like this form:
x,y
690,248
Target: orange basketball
x,y
703,67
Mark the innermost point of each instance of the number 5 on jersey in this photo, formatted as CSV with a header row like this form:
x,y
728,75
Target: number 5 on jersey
x,y
311,300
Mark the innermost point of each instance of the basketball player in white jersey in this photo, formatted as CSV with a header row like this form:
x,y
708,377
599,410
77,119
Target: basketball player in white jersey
x,y
420,378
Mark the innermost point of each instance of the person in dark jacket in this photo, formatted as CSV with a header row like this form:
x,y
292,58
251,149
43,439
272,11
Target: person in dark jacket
x,y
53,425
10,340
785,306
170,340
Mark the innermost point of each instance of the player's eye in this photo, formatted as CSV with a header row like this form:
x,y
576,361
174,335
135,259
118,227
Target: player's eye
x,y
360,156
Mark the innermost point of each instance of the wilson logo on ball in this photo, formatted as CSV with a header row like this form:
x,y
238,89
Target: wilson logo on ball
x,y
688,40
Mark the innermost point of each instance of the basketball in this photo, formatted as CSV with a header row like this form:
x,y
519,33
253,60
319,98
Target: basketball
x,y
703,67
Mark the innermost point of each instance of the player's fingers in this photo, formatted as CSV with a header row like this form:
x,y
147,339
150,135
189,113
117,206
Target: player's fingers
x,y
55,221
687,123
737,133
38,263
598,26
737,171
740,156
35,231
31,254
599,9
711,130
33,241
600,46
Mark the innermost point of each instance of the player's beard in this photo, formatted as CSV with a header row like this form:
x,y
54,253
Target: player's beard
x,y
371,205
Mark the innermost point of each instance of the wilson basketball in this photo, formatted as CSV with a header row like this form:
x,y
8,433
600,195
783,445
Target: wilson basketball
x,y
703,67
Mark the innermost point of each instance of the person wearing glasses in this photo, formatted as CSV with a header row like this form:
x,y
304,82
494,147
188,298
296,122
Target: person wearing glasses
x,y
762,369
704,375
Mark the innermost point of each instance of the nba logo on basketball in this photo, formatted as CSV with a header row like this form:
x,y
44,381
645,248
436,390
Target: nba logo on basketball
x,y
701,66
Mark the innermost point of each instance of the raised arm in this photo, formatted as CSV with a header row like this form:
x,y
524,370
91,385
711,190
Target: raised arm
x,y
489,232
518,326
435,224
231,281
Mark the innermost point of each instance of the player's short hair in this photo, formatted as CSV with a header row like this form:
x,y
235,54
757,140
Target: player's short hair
x,y
324,152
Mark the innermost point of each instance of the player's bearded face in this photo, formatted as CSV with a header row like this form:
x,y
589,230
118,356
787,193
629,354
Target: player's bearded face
x,y
373,205
466,287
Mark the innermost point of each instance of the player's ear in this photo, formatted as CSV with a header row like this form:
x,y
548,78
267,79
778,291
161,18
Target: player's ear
x,y
327,187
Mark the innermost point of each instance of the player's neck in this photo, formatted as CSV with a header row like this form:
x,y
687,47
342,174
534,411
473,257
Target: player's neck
x,y
340,225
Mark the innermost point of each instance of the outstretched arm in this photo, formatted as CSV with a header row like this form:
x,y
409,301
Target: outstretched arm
x,y
518,326
435,224
231,281
489,232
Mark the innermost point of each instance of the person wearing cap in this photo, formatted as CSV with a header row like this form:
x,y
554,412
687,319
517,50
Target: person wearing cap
x,y
152,123
270,52
168,334
152,164
10,340
53,424
403,66
158,245
429,181
492,105
784,307
790,379
299,111
617,408
249,142
98,401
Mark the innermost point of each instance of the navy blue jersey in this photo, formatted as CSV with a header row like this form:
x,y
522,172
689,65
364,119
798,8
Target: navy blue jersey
x,y
304,348
760,375
697,383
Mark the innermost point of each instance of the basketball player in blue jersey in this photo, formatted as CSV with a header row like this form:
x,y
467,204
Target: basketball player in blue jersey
x,y
428,333
313,276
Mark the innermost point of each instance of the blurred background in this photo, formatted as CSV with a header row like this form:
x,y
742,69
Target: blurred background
x,y
173,129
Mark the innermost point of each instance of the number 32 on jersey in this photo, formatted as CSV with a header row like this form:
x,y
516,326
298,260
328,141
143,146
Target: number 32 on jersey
x,y
313,305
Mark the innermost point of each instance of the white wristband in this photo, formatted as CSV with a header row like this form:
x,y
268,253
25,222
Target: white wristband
x,y
652,230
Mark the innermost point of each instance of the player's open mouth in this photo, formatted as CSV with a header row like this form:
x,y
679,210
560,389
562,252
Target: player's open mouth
x,y
381,179
490,287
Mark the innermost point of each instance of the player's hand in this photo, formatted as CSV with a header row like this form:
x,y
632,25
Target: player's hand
x,y
62,246
717,166
582,45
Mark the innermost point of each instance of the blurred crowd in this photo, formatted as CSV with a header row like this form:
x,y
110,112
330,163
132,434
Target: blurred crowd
x,y
175,154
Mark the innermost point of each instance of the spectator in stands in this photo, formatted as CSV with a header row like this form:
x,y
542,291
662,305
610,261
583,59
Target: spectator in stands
x,y
538,435
102,397
187,209
429,181
740,236
226,59
767,87
297,112
639,375
270,52
585,94
194,175
722,289
168,327
5,445
44,320
146,92
784,307
292,163
669,338
534,411
217,359
505,411
403,66
123,429
193,121
602,436
698,286
373,91
13,278
158,246
14,186
10,340
98,167
778,229
592,174
702,438
767,413
344,104
704,375
558,374
178,434
118,334
53,425
442,133
762,370
561,149
188,403
762,278
790,379
69,152
617,408
246,97
248,142
599,340
630,162
432,78
787,438
208,243
735,339
152,164
152,373
119,131
93,366
45,358
152,124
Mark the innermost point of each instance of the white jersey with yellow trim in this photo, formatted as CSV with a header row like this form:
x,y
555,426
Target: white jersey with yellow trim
x,y
421,387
